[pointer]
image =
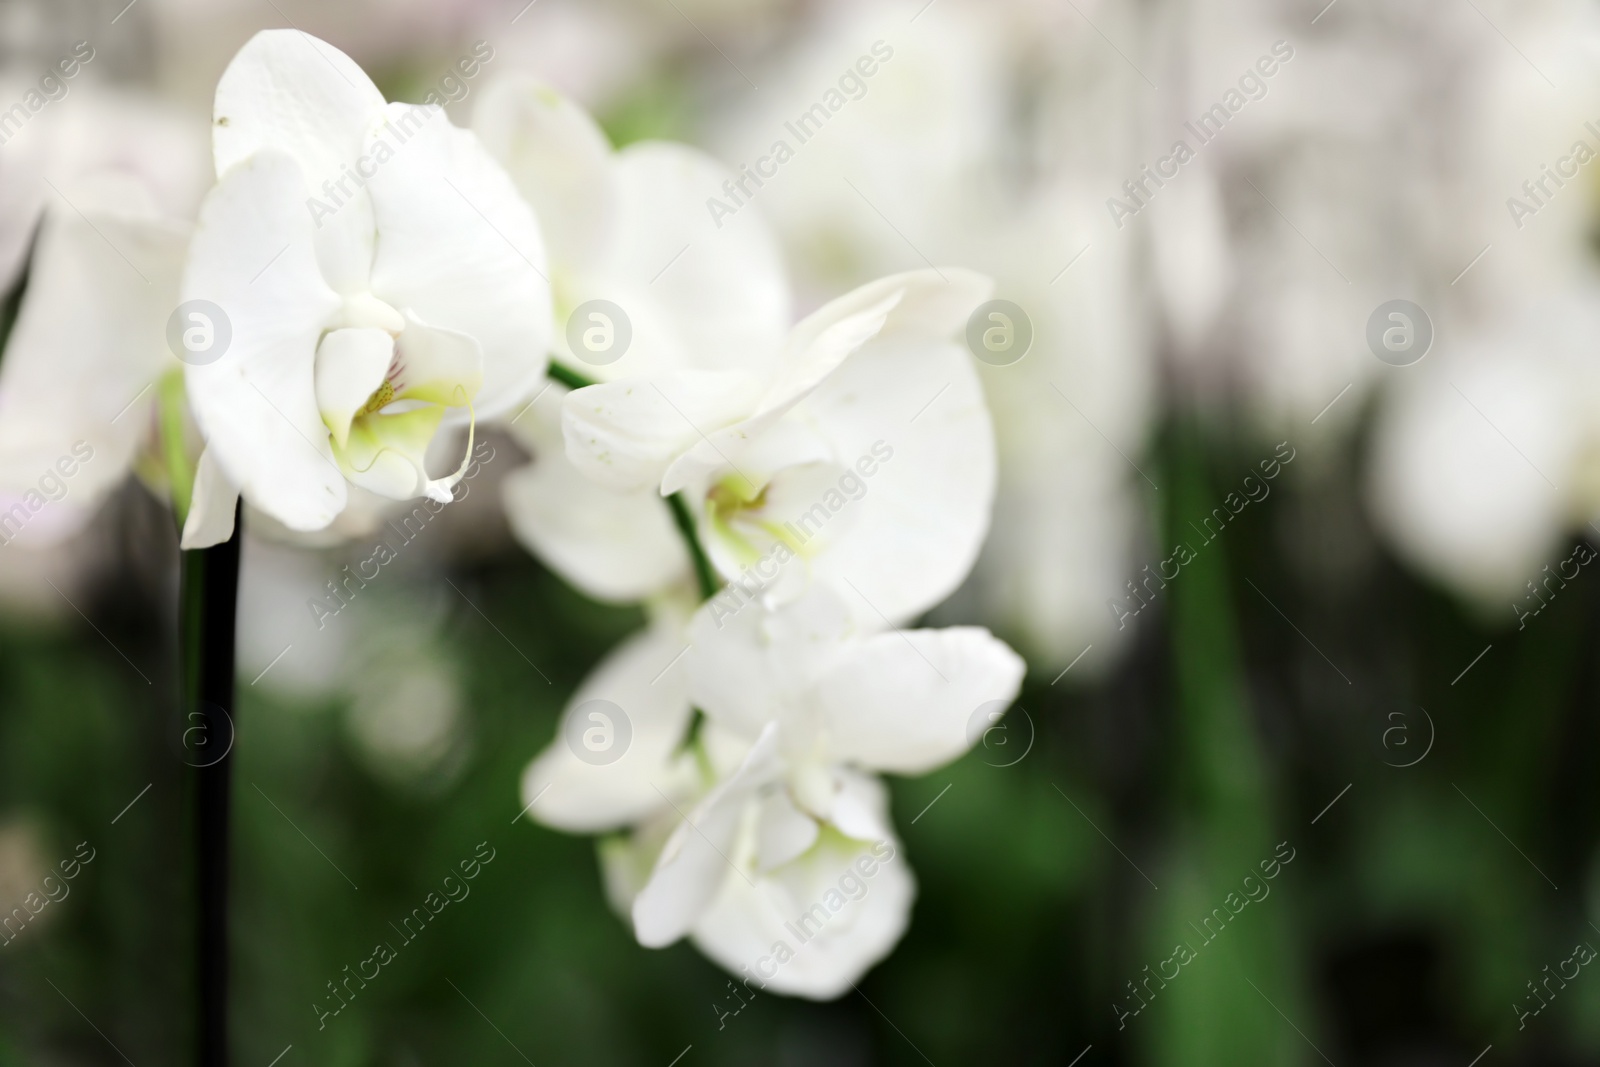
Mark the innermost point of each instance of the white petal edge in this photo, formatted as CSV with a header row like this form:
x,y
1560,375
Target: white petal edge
x,y
641,678
212,508
904,701
696,859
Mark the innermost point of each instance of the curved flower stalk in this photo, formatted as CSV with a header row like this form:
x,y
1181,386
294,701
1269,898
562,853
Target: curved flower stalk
x,y
864,459
112,189
628,228
766,837
379,274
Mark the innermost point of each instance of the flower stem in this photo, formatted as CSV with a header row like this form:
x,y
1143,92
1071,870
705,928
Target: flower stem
x,y
567,376
682,516
209,607
704,576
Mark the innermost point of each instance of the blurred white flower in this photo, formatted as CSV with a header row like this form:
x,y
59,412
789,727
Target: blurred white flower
x,y
910,150
89,130
279,648
628,228
865,459
1483,463
406,717
111,184
22,858
1311,208
1484,457
364,299
598,54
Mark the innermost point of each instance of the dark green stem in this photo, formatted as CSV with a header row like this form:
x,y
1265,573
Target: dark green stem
x,y
209,609
11,305
567,376
703,573
705,577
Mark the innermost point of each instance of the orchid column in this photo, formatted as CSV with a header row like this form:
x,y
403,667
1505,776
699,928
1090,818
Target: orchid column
x,y
379,280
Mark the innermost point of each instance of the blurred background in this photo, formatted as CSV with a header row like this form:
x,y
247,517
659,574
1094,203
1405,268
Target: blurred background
x,y
1302,585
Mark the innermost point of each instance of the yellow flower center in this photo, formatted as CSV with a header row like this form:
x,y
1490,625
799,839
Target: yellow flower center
x,y
380,398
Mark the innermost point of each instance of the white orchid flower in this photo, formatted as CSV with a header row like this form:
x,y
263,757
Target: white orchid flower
x,y
620,777
864,459
377,270
630,228
790,866
622,759
116,182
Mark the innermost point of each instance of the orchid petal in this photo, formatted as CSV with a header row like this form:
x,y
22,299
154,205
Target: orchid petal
x,y
748,667
461,251
213,507
624,434
783,831
726,295
560,160
696,859
253,256
914,533
351,364
437,366
289,92
385,454
89,341
903,702
801,372
835,947
641,678
613,546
